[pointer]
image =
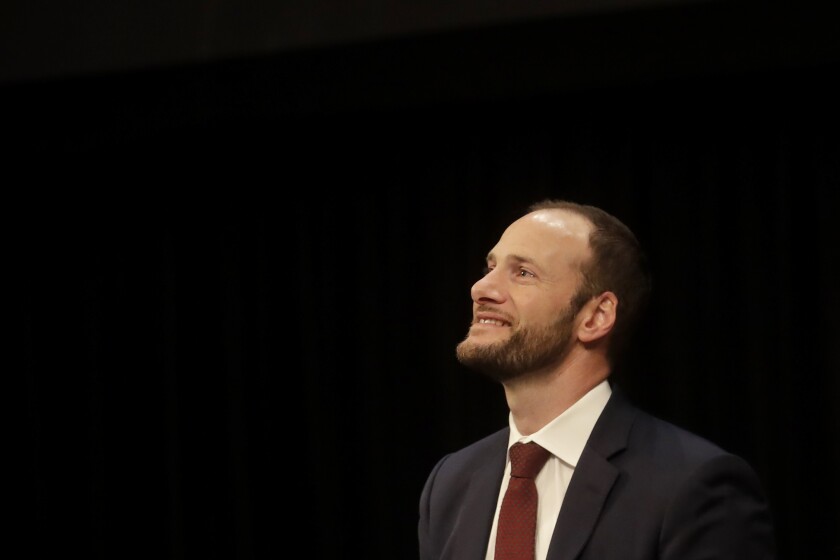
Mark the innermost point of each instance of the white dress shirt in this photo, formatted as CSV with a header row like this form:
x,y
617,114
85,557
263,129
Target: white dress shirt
x,y
564,437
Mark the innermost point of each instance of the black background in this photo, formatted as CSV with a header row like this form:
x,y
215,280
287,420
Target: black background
x,y
238,284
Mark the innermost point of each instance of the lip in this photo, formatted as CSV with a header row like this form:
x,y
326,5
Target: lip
x,y
490,320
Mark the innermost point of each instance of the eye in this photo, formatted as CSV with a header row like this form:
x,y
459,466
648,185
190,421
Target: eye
x,y
486,270
525,273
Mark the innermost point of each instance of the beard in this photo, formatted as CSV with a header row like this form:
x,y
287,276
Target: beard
x,y
527,350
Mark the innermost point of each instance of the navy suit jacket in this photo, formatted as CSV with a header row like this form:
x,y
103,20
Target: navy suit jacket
x,y
643,489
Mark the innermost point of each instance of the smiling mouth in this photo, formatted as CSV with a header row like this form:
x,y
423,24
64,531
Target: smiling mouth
x,y
495,322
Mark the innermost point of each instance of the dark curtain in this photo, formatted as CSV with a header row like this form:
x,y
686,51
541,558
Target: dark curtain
x,y
237,334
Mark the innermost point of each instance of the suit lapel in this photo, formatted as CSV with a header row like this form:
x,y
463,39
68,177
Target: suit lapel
x,y
592,481
469,538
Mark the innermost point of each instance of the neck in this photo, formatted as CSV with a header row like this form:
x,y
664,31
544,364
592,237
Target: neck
x,y
539,397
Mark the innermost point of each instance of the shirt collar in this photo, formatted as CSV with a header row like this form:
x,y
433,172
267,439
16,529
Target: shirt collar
x,y
566,435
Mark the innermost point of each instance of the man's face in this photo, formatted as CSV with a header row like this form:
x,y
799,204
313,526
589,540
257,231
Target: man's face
x,y
523,321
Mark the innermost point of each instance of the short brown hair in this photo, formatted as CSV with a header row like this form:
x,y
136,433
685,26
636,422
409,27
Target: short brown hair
x,y
618,265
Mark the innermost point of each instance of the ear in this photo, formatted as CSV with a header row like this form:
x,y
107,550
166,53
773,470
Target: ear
x,y
597,317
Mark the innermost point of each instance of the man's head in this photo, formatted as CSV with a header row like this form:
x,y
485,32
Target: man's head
x,y
564,276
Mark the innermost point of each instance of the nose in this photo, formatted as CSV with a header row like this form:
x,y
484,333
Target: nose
x,y
487,289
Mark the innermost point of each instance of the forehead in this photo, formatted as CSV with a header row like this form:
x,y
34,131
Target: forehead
x,y
549,238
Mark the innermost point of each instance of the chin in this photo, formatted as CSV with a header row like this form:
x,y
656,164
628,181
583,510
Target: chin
x,y
470,344
471,352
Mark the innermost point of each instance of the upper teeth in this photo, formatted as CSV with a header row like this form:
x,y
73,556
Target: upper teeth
x,y
491,322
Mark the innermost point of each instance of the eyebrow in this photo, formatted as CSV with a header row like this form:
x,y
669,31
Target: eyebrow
x,y
515,258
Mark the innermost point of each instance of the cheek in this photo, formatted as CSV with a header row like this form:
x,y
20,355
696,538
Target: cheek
x,y
537,312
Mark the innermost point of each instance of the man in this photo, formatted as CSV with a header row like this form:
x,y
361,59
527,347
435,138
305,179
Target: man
x,y
563,289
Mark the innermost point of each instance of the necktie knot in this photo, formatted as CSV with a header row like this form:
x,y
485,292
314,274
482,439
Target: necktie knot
x,y
526,459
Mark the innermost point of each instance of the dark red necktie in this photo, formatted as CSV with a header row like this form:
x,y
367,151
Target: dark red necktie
x,y
517,527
